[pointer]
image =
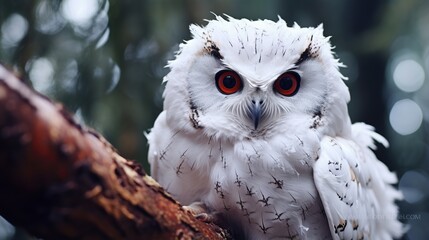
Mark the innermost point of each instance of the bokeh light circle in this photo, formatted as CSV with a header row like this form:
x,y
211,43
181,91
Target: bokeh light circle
x,y
406,116
408,75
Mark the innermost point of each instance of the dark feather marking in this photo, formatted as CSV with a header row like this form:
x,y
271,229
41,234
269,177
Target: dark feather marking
x,y
308,158
318,154
247,214
218,187
290,235
294,199
256,152
242,43
237,180
211,48
278,215
210,153
164,152
249,191
249,160
162,155
340,197
265,200
256,46
277,182
355,224
368,182
303,213
178,169
193,165
262,226
250,170
301,143
222,157
183,154
341,226
194,115
317,118
178,131
307,54
241,203
317,157
222,195
304,56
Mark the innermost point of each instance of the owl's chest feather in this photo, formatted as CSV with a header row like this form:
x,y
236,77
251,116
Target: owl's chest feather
x,y
268,191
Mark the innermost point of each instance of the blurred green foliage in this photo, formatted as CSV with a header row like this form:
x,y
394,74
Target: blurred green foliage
x,y
104,60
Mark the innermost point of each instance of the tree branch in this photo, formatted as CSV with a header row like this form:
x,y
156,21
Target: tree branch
x,y
60,180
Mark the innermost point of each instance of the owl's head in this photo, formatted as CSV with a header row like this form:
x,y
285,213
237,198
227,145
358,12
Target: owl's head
x,y
248,79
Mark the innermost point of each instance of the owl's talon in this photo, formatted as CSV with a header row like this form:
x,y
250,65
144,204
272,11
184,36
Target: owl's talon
x,y
201,212
203,217
195,208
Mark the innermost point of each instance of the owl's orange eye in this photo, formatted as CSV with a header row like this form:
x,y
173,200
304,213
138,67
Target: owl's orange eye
x,y
287,84
228,82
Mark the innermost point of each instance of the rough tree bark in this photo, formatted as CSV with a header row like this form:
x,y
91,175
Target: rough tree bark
x,y
60,180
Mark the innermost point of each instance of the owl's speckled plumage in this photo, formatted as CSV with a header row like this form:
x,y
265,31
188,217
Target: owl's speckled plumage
x,y
302,171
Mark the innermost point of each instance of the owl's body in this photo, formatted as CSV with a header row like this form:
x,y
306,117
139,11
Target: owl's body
x,y
255,125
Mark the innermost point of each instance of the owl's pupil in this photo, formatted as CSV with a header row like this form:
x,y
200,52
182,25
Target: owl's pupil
x,y
286,83
229,81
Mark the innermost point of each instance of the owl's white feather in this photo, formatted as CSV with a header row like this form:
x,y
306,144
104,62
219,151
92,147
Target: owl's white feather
x,y
364,204
274,177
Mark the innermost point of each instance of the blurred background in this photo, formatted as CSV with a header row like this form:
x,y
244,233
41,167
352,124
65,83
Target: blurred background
x,y
104,60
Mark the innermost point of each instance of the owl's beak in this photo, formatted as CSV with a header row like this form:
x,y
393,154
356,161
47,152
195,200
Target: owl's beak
x,y
256,112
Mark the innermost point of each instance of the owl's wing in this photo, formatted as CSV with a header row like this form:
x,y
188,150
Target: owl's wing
x,y
355,187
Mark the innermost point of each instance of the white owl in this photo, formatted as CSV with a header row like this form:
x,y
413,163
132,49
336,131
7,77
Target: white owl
x,y
255,126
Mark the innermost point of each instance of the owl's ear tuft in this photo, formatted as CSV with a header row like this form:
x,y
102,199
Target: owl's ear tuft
x,y
230,18
281,20
318,32
296,25
196,31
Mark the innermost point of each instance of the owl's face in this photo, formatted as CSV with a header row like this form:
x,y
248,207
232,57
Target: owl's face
x,y
241,78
